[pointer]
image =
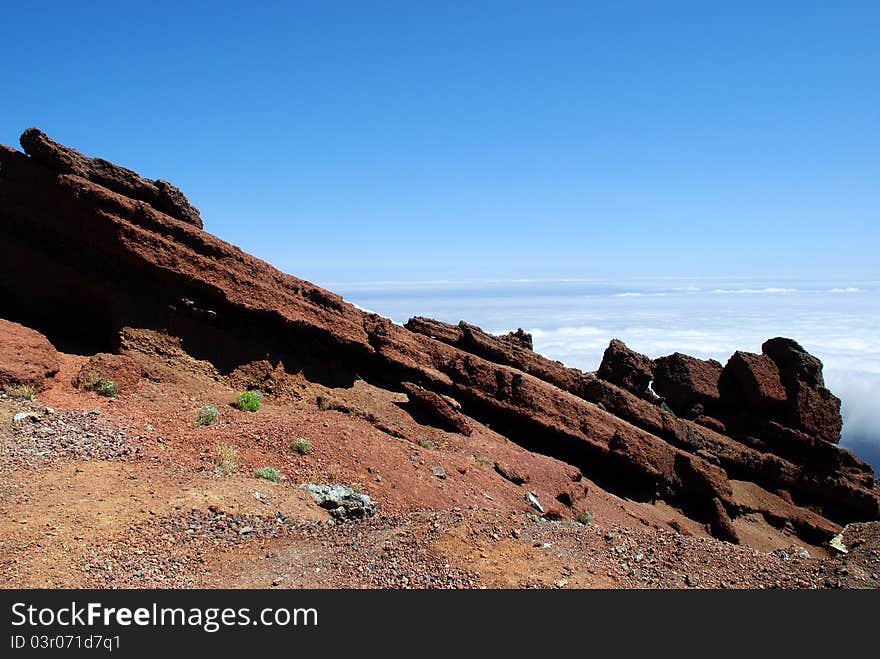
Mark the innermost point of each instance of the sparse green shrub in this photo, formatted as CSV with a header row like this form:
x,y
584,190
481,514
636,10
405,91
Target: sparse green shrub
x,y
426,443
225,459
302,446
22,392
248,401
585,518
357,487
268,474
207,415
101,386
485,461
664,406
107,388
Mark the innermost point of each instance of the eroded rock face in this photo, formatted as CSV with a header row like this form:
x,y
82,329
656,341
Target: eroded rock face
x,y
519,338
685,381
810,406
439,410
626,368
757,377
160,194
90,258
120,370
27,359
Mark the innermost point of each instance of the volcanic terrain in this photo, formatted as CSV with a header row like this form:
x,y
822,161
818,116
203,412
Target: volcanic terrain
x,y
124,323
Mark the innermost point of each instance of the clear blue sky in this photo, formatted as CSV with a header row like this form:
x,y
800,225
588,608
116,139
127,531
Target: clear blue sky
x,y
368,140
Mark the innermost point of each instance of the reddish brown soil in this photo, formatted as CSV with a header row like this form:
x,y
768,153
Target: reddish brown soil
x,y
460,436
124,491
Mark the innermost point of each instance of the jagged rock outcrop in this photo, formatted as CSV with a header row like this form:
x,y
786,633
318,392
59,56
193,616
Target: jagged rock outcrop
x,y
686,382
84,261
626,368
810,406
160,194
498,350
519,338
27,359
757,377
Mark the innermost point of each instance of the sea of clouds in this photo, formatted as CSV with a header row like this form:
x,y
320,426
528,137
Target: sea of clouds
x,y
573,320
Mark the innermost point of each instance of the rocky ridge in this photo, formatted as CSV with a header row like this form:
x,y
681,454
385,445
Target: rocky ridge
x,y
94,250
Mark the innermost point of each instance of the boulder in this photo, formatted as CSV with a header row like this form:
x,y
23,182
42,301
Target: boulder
x,y
757,379
513,473
626,368
27,359
720,525
811,407
685,381
342,501
438,409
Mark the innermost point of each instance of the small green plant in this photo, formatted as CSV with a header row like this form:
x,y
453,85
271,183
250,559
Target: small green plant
x,y
302,446
106,388
485,461
100,385
357,487
426,443
666,408
268,474
248,401
207,415
23,392
585,518
225,459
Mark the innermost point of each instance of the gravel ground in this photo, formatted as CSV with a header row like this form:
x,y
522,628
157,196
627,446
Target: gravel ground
x,y
457,548
345,555
39,434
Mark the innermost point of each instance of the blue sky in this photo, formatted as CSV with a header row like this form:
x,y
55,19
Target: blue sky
x,y
370,140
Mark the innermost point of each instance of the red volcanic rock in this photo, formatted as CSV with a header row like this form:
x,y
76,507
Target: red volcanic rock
x,y
794,362
721,525
757,377
435,329
438,408
26,357
817,412
512,473
626,368
500,350
519,338
686,381
87,261
811,407
160,194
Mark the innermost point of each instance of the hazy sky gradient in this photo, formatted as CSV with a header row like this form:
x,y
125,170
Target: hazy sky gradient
x,y
371,140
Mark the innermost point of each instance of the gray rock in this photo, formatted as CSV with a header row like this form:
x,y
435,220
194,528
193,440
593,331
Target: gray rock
x,y
342,501
439,472
534,503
